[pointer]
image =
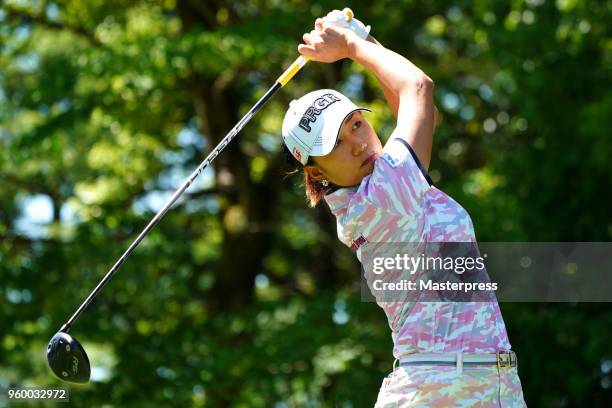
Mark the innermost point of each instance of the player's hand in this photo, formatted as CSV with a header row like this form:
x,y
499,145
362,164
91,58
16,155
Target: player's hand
x,y
327,43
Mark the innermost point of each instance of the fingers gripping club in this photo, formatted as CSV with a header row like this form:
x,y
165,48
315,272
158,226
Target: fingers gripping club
x,y
300,61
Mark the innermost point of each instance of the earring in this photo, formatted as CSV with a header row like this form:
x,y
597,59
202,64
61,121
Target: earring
x,y
324,183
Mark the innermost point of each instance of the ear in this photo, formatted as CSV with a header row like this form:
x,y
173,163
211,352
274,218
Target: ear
x,y
315,173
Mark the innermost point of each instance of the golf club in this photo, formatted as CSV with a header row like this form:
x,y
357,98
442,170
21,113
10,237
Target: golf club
x,y
66,357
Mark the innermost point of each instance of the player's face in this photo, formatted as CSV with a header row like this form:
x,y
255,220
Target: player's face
x,y
354,155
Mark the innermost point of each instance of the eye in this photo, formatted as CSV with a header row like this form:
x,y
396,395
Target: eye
x,y
356,125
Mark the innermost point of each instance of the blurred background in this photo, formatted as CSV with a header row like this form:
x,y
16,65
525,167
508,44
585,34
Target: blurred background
x,y
242,296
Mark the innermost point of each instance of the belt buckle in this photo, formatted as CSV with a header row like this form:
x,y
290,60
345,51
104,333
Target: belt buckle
x,y
504,359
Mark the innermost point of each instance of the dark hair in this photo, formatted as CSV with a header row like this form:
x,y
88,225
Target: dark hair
x,y
315,190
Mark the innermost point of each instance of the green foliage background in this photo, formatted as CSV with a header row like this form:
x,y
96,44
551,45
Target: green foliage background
x,y
242,296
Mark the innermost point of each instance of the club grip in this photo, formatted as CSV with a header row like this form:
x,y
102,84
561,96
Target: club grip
x,y
292,70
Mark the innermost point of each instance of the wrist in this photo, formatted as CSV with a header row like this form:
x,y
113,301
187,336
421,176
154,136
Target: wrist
x,y
352,43
372,40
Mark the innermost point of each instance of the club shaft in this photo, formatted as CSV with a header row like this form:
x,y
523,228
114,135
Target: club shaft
x,y
224,142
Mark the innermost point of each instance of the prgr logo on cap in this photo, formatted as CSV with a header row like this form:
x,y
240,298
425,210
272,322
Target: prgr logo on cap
x,y
315,110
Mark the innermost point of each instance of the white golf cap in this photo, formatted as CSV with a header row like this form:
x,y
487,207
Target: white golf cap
x,y
312,123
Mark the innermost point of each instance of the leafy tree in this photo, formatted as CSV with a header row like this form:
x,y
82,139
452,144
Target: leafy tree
x,y
242,296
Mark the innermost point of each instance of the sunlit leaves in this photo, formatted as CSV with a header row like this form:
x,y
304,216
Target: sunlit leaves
x,y
99,114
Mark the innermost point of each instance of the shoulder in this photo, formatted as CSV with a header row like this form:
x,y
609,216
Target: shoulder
x,y
398,153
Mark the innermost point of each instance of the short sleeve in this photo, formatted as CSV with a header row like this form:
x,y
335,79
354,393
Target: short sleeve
x,y
399,180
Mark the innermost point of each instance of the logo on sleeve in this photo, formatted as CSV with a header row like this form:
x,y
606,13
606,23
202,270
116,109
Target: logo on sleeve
x,y
313,111
393,162
358,242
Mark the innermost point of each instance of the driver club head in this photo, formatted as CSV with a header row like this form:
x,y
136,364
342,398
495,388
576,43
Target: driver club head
x,y
67,358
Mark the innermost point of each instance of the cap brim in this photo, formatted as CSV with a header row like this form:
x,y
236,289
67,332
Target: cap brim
x,y
327,139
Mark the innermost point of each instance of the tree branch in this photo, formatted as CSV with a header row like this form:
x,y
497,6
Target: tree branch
x,y
40,19
24,240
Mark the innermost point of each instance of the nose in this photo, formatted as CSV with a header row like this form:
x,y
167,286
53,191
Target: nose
x,y
359,147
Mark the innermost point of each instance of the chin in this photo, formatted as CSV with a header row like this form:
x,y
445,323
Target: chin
x,y
370,168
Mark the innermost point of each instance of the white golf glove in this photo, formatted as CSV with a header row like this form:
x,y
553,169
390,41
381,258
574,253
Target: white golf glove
x,y
338,18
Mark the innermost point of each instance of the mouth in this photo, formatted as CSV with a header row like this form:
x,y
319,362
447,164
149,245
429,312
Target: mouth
x,y
371,159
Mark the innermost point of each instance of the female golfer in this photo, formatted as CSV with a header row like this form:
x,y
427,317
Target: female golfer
x,y
450,354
